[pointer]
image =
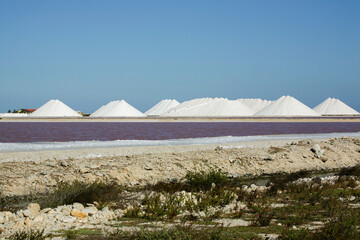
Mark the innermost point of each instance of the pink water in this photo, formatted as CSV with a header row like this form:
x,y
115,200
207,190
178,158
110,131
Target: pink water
x,y
80,131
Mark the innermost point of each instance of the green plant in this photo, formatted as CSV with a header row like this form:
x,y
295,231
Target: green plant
x,y
203,181
81,192
264,214
28,235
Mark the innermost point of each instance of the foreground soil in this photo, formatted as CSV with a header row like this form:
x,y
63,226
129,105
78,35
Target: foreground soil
x,y
184,192
24,173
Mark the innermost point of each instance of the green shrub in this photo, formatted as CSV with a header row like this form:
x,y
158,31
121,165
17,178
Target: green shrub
x,y
28,235
202,181
264,215
81,192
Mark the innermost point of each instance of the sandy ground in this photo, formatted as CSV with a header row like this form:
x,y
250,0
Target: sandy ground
x,y
25,172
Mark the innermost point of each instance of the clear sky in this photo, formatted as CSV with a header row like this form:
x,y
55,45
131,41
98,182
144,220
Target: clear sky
x,y
87,53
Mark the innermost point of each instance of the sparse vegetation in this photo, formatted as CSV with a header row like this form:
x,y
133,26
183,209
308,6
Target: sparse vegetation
x,y
287,206
28,235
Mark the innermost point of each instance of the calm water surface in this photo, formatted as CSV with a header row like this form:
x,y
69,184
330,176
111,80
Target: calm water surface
x,y
12,132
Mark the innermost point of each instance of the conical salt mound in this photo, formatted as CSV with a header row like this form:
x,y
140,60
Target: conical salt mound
x,y
256,104
333,106
117,109
100,112
54,108
162,107
218,107
287,106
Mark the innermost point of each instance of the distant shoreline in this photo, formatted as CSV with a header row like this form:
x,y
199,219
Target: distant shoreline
x,y
189,119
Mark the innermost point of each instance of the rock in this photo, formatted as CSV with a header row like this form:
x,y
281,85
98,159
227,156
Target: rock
x,y
232,222
2,218
317,150
32,210
78,214
90,211
27,222
78,206
148,168
64,164
267,158
45,210
68,219
38,219
218,148
50,164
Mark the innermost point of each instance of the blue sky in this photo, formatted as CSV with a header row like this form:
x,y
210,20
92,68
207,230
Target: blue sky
x,y
87,53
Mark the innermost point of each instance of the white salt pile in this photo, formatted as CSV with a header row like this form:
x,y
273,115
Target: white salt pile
x,y
13,115
256,104
210,107
117,109
162,107
287,106
100,112
333,106
54,108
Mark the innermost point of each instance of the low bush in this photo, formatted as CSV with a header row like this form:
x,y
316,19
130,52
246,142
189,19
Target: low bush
x,y
203,181
81,192
29,235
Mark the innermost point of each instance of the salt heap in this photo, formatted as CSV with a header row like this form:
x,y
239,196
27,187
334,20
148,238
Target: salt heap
x,y
54,108
210,107
13,115
117,109
333,106
287,106
162,107
256,104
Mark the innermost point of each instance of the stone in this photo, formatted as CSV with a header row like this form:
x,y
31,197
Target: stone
x,y
50,164
148,168
317,150
267,158
78,214
27,222
32,210
70,219
46,210
78,206
232,222
2,218
64,164
90,211
38,219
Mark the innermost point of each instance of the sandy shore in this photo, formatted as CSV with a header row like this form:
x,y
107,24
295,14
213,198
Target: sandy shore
x,y
24,172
